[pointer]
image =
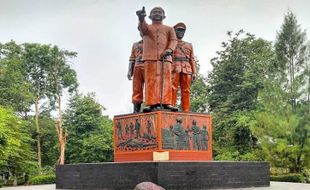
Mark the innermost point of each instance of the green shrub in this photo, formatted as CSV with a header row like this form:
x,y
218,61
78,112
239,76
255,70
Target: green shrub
x,y
299,178
48,170
42,179
306,173
10,182
21,181
1,183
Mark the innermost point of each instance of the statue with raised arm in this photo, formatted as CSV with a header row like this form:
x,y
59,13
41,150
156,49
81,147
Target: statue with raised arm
x,y
159,42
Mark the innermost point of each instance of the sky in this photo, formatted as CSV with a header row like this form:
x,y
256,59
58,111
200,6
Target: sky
x,y
102,33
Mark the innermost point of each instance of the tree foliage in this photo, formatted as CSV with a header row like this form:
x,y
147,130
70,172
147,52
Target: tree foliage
x,y
90,133
238,74
16,153
290,49
13,79
282,122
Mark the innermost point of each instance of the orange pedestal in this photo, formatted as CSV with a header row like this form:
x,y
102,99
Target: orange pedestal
x,y
162,136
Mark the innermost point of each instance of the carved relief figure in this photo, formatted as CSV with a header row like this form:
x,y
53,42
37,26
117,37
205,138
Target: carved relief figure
x,y
180,135
204,138
137,128
196,135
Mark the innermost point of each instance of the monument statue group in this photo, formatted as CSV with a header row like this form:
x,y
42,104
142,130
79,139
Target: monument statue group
x,y
159,65
163,62
162,145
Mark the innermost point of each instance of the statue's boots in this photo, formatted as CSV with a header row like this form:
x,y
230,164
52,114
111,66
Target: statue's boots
x,y
170,107
150,108
136,107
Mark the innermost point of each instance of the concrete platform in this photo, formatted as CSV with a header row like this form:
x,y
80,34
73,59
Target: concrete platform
x,y
170,175
273,186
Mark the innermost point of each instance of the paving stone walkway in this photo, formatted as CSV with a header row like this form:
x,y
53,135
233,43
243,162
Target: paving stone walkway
x,y
273,186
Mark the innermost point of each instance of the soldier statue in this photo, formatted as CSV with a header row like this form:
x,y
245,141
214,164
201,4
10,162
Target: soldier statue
x,y
159,41
196,135
183,68
204,138
180,134
136,70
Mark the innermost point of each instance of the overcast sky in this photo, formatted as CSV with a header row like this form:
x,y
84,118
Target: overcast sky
x,y
102,32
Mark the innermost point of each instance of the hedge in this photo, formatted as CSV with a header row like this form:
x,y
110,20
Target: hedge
x,y
42,179
299,178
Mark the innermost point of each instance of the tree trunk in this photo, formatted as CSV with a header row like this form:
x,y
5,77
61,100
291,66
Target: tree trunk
x,y
38,133
308,90
62,134
14,180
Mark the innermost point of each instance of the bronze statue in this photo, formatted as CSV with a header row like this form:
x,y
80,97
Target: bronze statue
x,y
159,41
183,68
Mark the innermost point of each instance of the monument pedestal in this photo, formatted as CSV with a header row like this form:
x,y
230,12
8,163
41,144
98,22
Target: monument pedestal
x,y
171,175
171,149
163,136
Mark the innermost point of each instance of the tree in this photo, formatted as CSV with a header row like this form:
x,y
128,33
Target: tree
x,y
36,58
13,79
282,122
16,156
61,79
199,92
282,133
233,86
90,133
290,47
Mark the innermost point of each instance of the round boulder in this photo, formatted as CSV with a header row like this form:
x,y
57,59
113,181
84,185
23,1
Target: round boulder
x,y
148,186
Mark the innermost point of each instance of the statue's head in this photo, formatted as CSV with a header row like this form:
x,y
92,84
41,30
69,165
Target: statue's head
x,y
194,122
180,30
157,14
179,119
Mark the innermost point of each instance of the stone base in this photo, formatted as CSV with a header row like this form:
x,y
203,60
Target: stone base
x,y
170,175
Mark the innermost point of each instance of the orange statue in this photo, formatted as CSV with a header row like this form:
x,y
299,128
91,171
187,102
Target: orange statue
x,y
136,70
159,41
183,68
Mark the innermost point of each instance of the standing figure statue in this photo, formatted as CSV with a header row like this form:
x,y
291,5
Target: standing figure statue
x,y
180,134
196,135
137,128
183,68
119,130
136,70
204,138
127,130
159,42
131,129
149,127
